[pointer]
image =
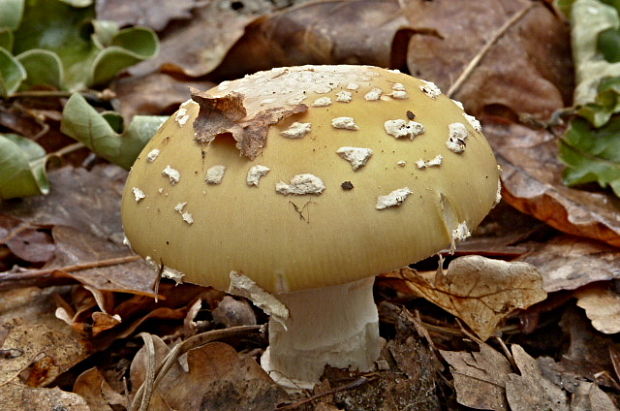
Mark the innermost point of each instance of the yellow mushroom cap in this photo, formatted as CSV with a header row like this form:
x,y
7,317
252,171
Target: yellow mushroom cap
x,y
304,177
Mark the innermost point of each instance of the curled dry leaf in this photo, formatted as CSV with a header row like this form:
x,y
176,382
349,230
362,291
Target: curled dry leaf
x,y
153,94
602,306
530,390
92,386
532,183
479,377
322,32
197,46
231,312
22,397
32,245
522,46
150,13
47,346
217,379
567,262
480,291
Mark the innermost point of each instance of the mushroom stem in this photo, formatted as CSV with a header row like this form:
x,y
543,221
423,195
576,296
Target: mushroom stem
x,y
336,326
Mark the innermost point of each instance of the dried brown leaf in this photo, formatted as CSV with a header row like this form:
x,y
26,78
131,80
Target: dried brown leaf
x,y
32,245
480,291
523,47
47,346
153,94
151,13
532,183
92,386
231,312
197,46
479,377
589,397
322,32
530,390
20,397
602,306
218,378
567,262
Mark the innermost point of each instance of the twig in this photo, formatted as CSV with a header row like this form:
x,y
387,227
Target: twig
x,y
150,371
473,63
65,150
198,340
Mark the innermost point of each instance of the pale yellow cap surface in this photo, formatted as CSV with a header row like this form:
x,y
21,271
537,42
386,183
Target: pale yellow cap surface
x,y
291,242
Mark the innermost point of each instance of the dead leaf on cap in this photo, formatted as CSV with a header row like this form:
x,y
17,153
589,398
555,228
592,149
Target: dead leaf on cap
x,y
532,183
92,386
522,46
151,13
154,94
218,379
530,390
567,263
229,114
197,46
602,306
479,290
322,32
22,397
47,346
479,377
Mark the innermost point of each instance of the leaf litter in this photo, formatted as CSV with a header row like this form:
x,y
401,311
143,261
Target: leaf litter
x,y
495,342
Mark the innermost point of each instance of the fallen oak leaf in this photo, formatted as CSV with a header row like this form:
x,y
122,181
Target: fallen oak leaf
x,y
92,386
22,397
602,306
478,290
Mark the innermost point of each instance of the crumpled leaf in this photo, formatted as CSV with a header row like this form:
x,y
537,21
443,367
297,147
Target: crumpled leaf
x,y
22,397
592,155
92,386
530,390
539,191
150,13
322,32
479,377
22,167
479,290
12,73
567,262
218,379
82,122
47,347
602,306
527,69
196,47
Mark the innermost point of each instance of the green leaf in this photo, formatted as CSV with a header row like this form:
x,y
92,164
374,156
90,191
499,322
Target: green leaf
x,y
127,47
6,39
83,123
608,42
12,73
592,154
22,167
11,12
43,68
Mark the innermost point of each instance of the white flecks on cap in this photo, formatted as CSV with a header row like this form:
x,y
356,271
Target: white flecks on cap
x,y
399,95
473,121
160,190
255,173
455,145
398,87
172,174
373,95
400,128
461,232
322,88
173,274
401,163
301,184
267,101
457,136
353,86
126,241
187,217
152,155
296,100
346,123
430,89
357,156
297,130
434,162
181,116
322,102
394,71
223,85
138,194
344,96
394,199
215,174
498,194
180,206
458,104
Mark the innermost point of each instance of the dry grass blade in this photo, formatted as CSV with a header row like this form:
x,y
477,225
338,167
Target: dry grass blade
x,y
143,394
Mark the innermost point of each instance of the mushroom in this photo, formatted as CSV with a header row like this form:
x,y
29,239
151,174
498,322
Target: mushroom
x,y
308,254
